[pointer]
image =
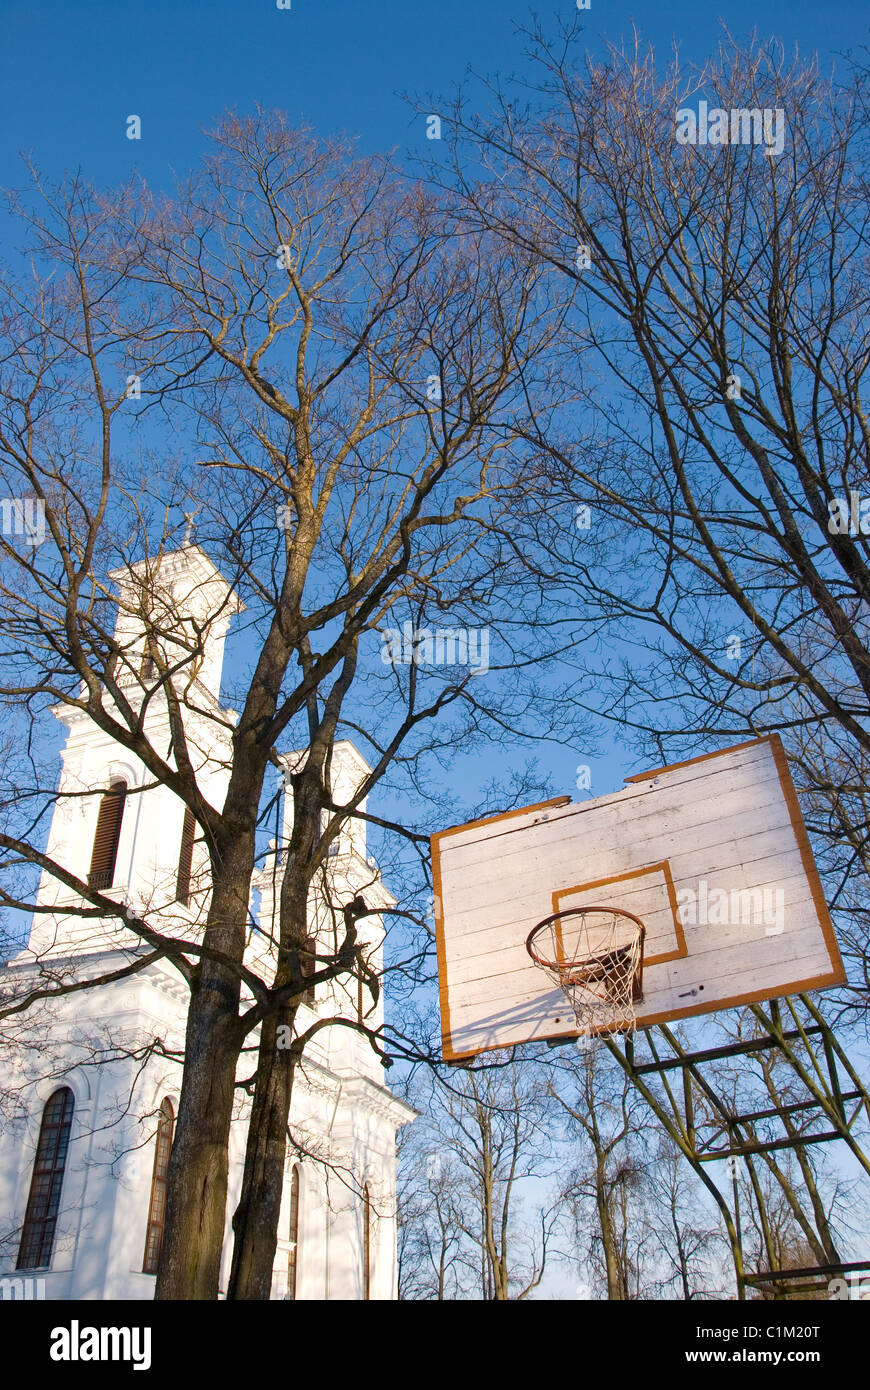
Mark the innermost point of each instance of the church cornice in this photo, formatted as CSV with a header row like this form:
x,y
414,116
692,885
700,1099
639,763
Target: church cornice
x,y
190,561
362,1090
377,1099
91,964
213,714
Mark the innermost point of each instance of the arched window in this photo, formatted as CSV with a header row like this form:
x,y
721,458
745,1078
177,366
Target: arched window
x,y
363,993
185,857
308,966
293,1253
108,836
43,1203
367,1243
157,1205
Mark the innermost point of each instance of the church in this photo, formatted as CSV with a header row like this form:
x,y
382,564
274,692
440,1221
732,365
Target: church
x,y
89,1080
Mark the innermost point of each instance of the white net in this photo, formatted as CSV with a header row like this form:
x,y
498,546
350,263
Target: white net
x,y
595,956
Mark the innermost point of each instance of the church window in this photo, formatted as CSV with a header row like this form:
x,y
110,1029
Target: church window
x,y
293,1254
367,1243
308,966
157,1205
40,1220
107,837
363,992
185,857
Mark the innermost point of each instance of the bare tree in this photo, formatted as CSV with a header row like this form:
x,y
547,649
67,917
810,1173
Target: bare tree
x,y
606,1123
431,1257
488,1154
721,329
319,344
683,1230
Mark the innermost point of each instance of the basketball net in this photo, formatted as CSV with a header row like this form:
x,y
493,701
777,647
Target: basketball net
x,y
595,956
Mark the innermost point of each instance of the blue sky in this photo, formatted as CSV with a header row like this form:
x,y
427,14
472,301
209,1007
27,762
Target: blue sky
x,y
70,76
72,73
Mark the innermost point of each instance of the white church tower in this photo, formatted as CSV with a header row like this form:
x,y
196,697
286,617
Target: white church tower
x,y
89,1091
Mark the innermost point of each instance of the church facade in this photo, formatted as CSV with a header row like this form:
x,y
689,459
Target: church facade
x,y
89,1081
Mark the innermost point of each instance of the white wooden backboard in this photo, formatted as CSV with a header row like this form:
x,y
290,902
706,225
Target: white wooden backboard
x,y
711,854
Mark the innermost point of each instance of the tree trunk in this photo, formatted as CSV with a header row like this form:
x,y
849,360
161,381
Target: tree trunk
x,y
196,1190
197,1179
681,1253
497,1265
608,1239
255,1222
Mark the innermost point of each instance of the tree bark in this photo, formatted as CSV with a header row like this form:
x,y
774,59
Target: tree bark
x,y
197,1178
255,1222
608,1238
196,1193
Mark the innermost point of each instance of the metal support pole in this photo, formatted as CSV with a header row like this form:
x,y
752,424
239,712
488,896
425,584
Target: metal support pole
x,y
822,1083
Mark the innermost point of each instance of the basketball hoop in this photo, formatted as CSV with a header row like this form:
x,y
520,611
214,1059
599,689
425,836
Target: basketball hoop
x,y
595,956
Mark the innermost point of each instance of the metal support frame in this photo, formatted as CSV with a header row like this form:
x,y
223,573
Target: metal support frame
x,y
773,1276
705,1117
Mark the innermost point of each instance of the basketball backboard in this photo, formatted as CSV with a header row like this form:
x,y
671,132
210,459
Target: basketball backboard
x,y
710,854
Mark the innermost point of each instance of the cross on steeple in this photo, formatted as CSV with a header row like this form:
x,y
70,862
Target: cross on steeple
x,y
189,517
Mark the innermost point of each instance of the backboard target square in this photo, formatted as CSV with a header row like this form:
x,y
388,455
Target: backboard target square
x,y
648,893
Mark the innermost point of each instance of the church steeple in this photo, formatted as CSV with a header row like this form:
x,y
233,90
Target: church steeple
x,y
111,825
176,608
